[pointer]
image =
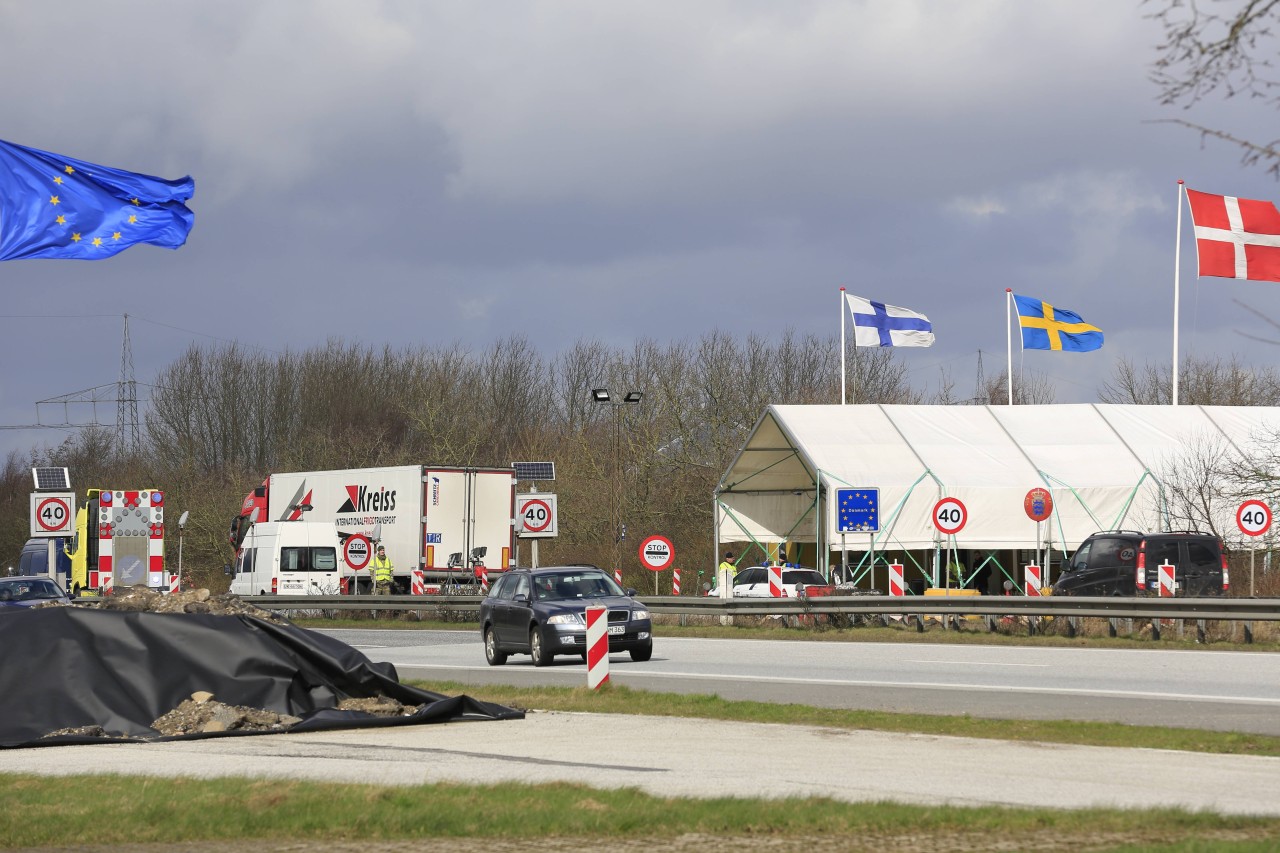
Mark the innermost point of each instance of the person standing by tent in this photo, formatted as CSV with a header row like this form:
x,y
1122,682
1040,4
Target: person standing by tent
x,y
726,571
382,571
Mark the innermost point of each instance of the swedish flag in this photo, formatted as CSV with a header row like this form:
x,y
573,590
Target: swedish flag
x,y
1046,327
53,206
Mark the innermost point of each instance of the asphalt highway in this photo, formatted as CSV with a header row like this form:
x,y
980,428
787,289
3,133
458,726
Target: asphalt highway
x,y
1203,689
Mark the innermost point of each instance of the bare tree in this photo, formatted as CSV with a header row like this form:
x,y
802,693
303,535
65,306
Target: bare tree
x,y
1219,46
1203,381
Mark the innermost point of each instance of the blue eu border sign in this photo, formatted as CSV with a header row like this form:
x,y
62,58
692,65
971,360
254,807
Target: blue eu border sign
x,y
857,510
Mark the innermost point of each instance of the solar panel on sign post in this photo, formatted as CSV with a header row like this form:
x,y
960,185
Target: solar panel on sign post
x,y
535,471
51,479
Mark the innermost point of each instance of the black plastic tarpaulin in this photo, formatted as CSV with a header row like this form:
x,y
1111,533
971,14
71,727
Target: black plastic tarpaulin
x,y
72,667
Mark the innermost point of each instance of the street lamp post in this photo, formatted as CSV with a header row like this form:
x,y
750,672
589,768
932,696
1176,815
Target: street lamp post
x,y
617,526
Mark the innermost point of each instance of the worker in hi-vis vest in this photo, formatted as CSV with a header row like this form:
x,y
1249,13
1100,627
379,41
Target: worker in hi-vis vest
x,y
382,570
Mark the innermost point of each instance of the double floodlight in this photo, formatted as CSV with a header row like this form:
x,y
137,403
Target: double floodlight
x,y
601,395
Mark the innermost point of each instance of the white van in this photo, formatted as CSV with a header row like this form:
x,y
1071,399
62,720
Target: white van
x,y
288,558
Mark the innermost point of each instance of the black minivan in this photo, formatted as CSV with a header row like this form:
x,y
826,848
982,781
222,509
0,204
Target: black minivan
x,y
1110,562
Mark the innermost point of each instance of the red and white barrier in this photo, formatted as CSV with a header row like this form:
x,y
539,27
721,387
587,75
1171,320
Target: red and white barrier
x,y
675,581
175,584
1031,580
775,581
617,575
108,583
484,578
897,588
418,586
1166,584
597,646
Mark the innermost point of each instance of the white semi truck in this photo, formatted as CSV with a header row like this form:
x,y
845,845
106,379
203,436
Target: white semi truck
x,y
454,524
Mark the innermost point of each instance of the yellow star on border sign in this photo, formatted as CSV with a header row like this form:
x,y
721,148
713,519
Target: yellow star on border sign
x,y
97,241
115,236
75,238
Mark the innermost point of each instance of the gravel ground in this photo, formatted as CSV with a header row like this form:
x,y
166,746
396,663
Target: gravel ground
x,y
1037,842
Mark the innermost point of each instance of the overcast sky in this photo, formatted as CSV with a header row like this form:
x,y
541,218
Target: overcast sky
x,y
419,173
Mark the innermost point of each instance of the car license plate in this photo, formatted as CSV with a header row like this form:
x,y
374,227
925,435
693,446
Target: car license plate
x,y
617,629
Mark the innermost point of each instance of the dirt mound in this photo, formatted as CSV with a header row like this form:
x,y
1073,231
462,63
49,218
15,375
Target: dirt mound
x,y
141,599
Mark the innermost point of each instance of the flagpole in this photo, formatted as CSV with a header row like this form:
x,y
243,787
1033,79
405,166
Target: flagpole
x,y
1177,269
1008,332
842,310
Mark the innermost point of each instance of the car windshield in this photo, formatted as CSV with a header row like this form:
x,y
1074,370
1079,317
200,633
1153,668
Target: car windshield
x,y
558,586
32,590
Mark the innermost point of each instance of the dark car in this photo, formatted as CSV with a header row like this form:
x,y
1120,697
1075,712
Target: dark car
x,y
542,613
22,592
1110,562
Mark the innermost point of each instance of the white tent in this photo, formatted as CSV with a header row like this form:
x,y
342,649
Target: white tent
x,y
1103,466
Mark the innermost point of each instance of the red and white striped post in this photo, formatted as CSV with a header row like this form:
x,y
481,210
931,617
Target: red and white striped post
x,y
675,581
617,575
484,578
1031,580
897,588
1166,586
175,584
597,646
418,585
108,582
775,581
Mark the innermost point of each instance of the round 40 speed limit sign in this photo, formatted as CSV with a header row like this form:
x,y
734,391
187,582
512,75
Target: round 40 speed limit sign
x,y
950,515
1253,518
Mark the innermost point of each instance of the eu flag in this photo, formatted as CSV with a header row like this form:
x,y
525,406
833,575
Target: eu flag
x,y
53,206
1047,327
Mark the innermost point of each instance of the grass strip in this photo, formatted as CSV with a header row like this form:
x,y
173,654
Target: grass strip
x,y
53,811
615,699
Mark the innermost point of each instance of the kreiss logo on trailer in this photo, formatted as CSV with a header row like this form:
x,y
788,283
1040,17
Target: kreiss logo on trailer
x,y
656,553
366,506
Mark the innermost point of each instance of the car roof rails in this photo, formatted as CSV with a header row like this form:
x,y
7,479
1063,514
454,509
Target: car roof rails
x,y
1118,530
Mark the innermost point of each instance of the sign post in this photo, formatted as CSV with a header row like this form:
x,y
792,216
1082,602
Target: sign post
x,y
949,517
1254,519
656,554
858,511
1039,506
356,552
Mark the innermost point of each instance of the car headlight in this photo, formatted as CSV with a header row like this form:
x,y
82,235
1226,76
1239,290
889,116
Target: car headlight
x,y
565,619
639,614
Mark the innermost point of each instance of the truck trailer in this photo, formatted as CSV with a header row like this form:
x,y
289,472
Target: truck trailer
x,y
455,525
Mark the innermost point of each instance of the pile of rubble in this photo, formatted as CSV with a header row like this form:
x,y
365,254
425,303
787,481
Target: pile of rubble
x,y
141,599
202,714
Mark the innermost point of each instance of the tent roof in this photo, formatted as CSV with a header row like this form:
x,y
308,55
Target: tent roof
x,y
1101,463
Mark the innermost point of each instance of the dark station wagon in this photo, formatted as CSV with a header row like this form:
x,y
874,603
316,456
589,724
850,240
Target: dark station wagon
x,y
542,613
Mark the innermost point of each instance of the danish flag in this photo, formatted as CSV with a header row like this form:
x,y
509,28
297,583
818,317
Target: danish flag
x,y
1236,237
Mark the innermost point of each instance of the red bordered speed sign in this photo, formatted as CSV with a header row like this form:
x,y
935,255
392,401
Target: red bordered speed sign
x,y
1253,518
949,515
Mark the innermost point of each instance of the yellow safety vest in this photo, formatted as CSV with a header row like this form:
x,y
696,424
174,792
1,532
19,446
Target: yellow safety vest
x,y
382,570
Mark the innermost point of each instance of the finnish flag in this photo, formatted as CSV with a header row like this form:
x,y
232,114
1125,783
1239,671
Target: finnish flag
x,y
878,325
